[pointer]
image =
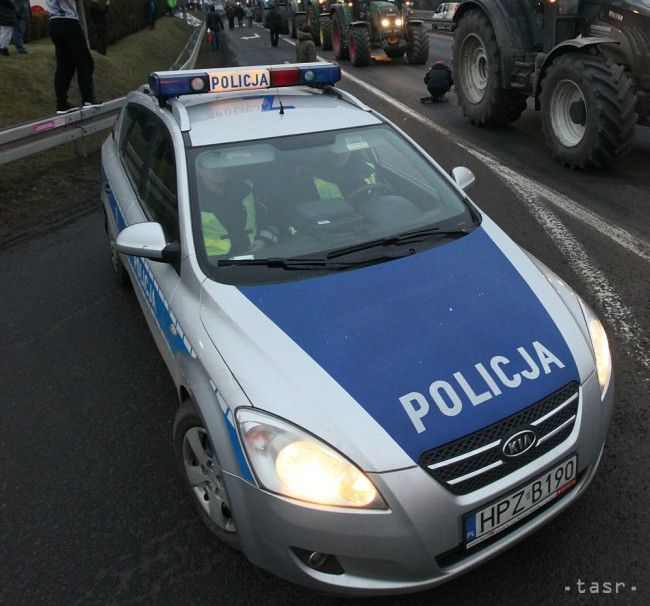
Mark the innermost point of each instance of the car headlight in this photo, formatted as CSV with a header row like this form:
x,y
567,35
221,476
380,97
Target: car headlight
x,y
293,463
385,22
398,22
600,346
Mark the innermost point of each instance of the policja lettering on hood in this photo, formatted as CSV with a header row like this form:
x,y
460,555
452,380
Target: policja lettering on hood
x,y
446,397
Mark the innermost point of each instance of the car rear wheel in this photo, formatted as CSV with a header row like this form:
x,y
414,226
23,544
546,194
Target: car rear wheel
x,y
199,466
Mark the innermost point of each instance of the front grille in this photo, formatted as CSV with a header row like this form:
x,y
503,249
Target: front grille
x,y
475,460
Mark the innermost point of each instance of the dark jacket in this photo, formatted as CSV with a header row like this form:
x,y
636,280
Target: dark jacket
x,y
438,79
8,14
273,20
213,21
305,48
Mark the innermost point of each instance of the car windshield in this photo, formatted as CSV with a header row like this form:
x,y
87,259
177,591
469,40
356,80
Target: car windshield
x,y
305,200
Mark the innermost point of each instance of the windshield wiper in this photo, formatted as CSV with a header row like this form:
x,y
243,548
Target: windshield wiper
x,y
307,263
407,237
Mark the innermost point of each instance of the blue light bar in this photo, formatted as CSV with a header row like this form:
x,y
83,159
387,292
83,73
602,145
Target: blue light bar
x,y
236,79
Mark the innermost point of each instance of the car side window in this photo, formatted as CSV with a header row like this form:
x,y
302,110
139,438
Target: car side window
x,y
159,189
138,135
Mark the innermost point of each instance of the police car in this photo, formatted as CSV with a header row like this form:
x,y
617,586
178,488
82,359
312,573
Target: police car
x,y
378,388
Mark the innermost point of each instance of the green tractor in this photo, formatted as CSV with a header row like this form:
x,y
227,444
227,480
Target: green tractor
x,y
317,14
355,28
585,64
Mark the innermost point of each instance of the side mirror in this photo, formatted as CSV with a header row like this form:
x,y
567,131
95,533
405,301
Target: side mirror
x,y
146,240
464,177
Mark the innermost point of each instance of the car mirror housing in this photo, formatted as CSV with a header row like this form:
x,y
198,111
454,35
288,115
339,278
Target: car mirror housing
x,y
144,240
464,177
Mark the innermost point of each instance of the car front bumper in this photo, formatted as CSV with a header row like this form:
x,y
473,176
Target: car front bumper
x,y
417,542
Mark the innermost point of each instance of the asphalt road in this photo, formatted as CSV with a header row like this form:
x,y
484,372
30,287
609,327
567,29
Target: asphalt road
x,y
92,508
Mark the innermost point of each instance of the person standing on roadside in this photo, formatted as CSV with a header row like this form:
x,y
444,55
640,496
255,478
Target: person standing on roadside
x,y
72,55
150,7
305,47
8,18
98,19
230,13
248,11
171,7
239,13
18,34
214,24
274,23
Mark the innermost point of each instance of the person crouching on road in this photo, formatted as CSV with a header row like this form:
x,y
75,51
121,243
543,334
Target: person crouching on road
x,y
305,47
8,18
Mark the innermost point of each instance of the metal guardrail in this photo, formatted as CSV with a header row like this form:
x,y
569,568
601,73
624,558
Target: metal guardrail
x,y
26,139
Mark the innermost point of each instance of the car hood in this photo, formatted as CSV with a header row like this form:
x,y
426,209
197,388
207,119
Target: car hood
x,y
389,361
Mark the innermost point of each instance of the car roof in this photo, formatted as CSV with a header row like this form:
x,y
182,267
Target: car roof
x,y
234,117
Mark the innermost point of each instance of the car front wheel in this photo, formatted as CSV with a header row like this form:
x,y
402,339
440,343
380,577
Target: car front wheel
x,y
199,466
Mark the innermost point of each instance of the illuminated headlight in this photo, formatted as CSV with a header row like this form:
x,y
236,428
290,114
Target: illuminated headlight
x,y
293,463
600,346
385,22
398,22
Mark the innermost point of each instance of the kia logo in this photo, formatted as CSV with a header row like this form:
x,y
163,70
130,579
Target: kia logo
x,y
519,443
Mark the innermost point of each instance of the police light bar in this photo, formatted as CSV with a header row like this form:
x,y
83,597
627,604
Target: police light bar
x,y
190,82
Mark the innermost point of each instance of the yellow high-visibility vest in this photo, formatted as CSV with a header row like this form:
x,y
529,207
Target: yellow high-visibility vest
x,y
215,235
327,189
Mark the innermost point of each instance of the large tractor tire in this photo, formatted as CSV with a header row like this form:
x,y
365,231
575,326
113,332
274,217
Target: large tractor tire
x,y
338,42
359,46
477,74
417,51
588,113
325,33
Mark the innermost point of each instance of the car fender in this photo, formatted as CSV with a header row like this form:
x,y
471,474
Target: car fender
x,y
212,402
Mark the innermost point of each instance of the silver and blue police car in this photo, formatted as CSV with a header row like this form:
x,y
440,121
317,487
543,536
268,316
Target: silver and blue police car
x,y
378,388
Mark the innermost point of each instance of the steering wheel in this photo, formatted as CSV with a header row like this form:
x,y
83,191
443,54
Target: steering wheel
x,y
369,189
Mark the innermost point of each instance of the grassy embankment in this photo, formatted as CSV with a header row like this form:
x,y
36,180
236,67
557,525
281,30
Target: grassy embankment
x,y
45,187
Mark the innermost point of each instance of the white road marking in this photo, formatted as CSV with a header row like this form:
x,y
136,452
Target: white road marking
x,y
253,37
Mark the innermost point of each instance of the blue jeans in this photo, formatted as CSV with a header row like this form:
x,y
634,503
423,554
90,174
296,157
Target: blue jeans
x,y
18,33
215,40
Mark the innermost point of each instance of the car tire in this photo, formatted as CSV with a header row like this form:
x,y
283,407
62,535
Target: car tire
x,y
201,472
587,110
477,74
417,51
120,274
359,46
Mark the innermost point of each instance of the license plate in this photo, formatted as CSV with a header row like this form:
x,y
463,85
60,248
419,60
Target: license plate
x,y
509,509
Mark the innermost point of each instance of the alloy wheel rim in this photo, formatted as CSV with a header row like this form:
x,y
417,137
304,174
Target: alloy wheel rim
x,y
203,472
